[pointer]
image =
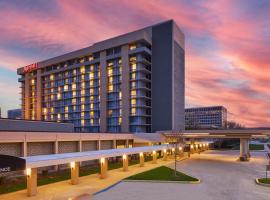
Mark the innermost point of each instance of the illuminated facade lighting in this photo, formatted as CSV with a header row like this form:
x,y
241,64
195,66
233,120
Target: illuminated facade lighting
x,y
116,86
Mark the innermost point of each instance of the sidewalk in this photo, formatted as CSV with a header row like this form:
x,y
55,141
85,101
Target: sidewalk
x,y
88,184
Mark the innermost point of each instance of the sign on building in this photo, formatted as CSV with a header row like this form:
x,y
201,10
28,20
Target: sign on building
x,y
11,163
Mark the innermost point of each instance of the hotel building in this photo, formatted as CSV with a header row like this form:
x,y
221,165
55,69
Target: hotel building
x,y
206,117
130,83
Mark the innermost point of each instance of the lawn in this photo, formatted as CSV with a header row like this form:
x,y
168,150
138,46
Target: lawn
x,y
252,147
264,180
162,174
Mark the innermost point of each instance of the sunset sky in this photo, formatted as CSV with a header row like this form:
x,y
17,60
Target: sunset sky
x,y
227,44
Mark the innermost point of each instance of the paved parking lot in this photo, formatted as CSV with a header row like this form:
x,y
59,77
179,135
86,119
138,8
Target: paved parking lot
x,y
223,178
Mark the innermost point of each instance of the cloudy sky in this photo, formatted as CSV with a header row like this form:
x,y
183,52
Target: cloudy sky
x,y
227,44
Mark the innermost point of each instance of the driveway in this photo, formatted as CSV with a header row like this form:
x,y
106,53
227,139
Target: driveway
x,y
222,176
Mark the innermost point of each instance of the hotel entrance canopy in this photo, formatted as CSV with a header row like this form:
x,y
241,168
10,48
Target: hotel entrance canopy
x,y
226,133
57,159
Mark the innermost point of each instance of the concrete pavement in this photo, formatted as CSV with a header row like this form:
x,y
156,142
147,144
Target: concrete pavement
x,y
223,178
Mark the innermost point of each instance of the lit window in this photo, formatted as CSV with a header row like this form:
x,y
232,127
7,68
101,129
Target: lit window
x,y
74,101
110,88
132,46
45,111
73,86
82,92
58,96
66,88
74,71
91,83
91,98
82,107
133,76
52,110
133,111
66,116
45,117
110,71
110,113
82,114
133,101
81,60
33,81
133,84
58,116
82,77
51,117
133,66
66,108
119,120
120,95
82,100
92,106
92,113
133,92
110,80
52,97
91,67
120,61
91,75
82,69
91,91
83,85
82,122
110,64
90,58
51,77
74,93
132,59
91,121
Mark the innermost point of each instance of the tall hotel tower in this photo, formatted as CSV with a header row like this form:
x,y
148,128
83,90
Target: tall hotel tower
x,y
130,83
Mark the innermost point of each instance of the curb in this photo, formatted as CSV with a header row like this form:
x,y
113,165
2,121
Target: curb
x,y
262,184
107,188
157,181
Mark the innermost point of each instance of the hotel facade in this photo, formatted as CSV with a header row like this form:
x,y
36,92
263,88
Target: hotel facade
x,y
130,83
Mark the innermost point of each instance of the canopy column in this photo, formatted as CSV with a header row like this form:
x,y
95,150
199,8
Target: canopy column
x,y
244,149
31,181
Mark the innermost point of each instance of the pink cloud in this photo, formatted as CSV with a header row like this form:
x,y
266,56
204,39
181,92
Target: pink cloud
x,y
232,70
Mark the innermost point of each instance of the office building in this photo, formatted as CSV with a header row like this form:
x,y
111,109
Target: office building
x,y
130,83
14,114
206,117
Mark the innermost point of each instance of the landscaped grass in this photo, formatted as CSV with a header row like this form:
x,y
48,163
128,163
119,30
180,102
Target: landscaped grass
x,y
162,173
264,180
254,147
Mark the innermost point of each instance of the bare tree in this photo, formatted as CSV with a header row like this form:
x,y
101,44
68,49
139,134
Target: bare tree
x,y
176,139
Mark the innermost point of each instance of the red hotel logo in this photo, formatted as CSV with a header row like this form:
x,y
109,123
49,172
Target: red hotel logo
x,y
29,68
